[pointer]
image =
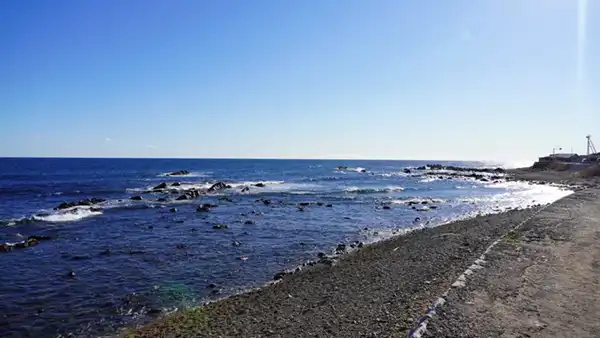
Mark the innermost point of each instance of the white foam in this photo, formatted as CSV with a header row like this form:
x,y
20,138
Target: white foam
x,y
418,201
191,174
68,215
367,190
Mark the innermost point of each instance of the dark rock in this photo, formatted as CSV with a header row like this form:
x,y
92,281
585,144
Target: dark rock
x,y
179,173
260,185
386,207
203,208
218,186
302,243
417,219
150,227
135,252
279,275
361,244
175,184
433,207
173,210
212,285
329,205
424,202
249,222
136,198
236,243
162,199
321,254
182,197
499,170
245,189
220,226
483,179
304,204
106,252
161,186
340,248
39,238
86,202
300,208
71,274
363,170
266,202
181,246
406,171
320,204
342,167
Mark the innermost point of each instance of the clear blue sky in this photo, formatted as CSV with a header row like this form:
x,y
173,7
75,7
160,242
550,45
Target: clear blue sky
x,y
433,79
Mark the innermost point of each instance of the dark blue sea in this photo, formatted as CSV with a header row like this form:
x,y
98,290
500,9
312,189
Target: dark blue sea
x,y
122,261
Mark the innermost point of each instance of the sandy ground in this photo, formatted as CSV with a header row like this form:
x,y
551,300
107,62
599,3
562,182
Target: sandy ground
x,y
542,280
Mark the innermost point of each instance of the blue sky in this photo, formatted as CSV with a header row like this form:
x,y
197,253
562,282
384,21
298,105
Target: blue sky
x,y
436,79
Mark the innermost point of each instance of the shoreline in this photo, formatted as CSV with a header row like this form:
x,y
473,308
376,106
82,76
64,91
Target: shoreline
x,y
405,273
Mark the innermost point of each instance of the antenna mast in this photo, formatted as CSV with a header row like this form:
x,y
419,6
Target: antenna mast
x,y
590,146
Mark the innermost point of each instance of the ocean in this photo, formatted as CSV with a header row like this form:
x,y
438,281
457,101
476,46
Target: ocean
x,y
121,261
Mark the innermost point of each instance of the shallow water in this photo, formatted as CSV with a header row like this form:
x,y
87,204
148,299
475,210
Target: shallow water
x,y
160,260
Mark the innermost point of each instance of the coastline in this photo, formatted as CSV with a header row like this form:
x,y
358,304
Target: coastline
x,y
379,290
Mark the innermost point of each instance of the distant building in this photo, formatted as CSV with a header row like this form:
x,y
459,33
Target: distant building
x,y
562,157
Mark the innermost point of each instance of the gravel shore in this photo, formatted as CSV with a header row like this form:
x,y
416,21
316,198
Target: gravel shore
x,y
380,290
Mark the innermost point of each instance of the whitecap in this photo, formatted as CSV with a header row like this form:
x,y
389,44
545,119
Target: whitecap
x,y
67,215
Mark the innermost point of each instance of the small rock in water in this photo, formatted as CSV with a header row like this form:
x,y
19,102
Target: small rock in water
x,y
245,189
321,254
243,258
279,275
203,208
182,198
150,227
386,207
173,210
161,186
249,222
260,185
106,252
71,274
329,205
162,199
136,198
340,248
300,208
304,204
320,204
212,285
181,246
220,226
236,243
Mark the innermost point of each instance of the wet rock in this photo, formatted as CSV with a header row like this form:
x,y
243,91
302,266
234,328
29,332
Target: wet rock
x,y
226,199
341,248
175,184
433,207
71,274
150,227
220,226
361,244
135,252
179,173
417,219
39,238
203,208
181,246
136,198
302,244
266,202
162,199
249,222
424,202
483,179
161,186
173,210
260,185
329,205
217,187
236,243
245,189
212,285
279,275
363,170
342,167
321,255
86,202
320,204
386,207
301,209
106,252
304,204
182,198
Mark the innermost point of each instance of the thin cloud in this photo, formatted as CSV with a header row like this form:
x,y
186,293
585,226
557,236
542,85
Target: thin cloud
x,y
108,139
